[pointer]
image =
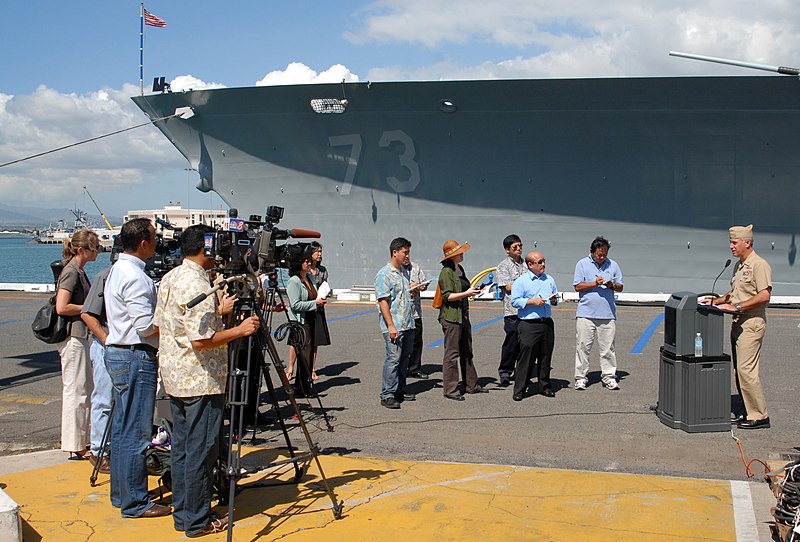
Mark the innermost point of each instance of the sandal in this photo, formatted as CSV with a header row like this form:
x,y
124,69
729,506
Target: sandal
x,y
79,456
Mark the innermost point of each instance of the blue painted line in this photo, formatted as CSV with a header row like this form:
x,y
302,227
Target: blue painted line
x,y
353,315
478,326
14,321
638,348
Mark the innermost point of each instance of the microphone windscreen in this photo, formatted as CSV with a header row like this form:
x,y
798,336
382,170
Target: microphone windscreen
x,y
297,232
728,262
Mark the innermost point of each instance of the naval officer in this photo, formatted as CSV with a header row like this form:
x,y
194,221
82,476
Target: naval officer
x,y
750,291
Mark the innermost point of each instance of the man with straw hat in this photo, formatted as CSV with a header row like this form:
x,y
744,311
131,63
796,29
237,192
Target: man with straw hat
x,y
749,295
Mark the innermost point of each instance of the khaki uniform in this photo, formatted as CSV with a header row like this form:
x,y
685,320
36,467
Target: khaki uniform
x,y
747,332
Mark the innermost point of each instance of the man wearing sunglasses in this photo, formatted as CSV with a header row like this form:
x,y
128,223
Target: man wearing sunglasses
x,y
533,294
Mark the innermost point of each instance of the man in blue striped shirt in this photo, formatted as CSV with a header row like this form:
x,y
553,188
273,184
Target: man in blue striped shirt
x,y
533,294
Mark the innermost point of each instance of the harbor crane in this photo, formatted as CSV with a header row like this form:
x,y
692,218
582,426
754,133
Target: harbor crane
x,y
110,227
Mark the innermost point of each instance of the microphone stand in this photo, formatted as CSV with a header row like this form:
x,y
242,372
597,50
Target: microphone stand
x,y
727,264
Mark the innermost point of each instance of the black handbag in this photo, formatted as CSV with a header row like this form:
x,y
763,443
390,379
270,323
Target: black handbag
x,y
48,326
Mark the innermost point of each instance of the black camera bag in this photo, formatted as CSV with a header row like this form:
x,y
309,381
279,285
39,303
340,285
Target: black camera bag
x,y
48,326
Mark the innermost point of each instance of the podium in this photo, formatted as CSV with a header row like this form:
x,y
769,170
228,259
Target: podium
x,y
694,393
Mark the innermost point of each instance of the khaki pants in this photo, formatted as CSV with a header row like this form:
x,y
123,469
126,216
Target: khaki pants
x,y
746,337
77,385
603,331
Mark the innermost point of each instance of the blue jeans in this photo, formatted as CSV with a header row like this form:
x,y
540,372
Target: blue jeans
x,y
133,376
196,425
395,366
101,396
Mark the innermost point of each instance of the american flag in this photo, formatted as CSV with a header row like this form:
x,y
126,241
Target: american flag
x,y
152,20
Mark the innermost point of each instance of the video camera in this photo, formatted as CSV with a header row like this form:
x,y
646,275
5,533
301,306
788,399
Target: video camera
x,y
242,245
168,250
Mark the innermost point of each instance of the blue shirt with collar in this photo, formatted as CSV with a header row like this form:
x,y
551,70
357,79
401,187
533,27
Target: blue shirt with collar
x,y
597,302
529,286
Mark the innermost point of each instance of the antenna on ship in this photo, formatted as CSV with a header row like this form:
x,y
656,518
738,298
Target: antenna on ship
x,y
783,70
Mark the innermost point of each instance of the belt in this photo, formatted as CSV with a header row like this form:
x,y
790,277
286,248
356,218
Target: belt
x,y
140,346
537,320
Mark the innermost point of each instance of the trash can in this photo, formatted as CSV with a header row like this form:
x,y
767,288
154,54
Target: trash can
x,y
694,393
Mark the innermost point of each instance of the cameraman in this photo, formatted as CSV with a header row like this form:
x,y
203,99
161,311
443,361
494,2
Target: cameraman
x,y
194,369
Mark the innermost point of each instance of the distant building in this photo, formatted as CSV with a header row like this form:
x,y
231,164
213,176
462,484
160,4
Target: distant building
x,y
179,217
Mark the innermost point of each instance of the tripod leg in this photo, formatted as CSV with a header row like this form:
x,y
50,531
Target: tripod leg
x,y
298,472
103,445
302,361
312,447
237,400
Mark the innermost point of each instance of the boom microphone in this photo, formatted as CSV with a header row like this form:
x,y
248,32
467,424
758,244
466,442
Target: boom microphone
x,y
727,264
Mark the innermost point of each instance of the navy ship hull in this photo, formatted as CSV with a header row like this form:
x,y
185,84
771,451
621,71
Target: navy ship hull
x,y
659,166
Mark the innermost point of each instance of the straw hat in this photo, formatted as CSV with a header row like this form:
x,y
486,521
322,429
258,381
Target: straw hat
x,y
453,248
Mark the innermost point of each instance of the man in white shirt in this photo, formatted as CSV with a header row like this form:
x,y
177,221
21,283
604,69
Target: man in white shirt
x,y
131,347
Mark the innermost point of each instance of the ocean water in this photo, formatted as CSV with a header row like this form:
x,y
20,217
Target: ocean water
x,y
22,260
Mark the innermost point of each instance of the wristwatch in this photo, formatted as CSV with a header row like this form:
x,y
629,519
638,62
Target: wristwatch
x,y
738,307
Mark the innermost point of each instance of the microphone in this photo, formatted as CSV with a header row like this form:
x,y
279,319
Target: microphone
x,y
298,232
727,264
197,300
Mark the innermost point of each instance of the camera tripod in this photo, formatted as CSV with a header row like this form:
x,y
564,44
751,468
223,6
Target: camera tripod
x,y
249,303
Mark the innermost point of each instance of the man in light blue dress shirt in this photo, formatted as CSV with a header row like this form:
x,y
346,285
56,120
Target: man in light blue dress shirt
x,y
533,294
131,347
597,279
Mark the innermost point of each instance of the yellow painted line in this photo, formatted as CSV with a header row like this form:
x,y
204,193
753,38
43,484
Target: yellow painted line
x,y
27,399
394,500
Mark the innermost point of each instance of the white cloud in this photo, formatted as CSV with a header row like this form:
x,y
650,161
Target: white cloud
x,y
583,38
298,73
190,82
47,119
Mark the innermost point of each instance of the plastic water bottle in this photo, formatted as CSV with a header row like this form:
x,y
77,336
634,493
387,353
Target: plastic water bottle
x,y
698,346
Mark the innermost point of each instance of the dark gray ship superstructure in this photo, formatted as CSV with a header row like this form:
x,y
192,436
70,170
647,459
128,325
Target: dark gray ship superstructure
x,y
660,166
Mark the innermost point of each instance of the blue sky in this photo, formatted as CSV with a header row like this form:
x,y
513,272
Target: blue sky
x,y
69,69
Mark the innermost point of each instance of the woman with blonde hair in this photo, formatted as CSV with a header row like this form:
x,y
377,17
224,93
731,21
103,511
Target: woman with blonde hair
x,y
76,367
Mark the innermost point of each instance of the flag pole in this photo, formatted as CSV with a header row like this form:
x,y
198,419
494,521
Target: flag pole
x,y
141,47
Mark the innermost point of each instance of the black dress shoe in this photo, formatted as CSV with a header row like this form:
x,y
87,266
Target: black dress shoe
x,y
156,511
454,397
504,380
419,375
548,393
517,397
739,419
390,402
754,424
479,389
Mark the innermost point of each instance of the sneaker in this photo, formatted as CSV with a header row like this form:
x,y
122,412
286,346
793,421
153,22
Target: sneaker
x,y
580,385
390,402
610,384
